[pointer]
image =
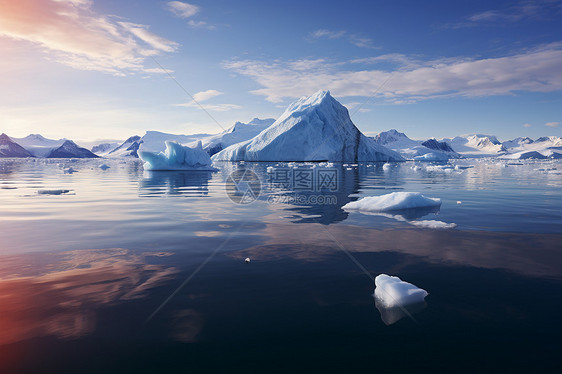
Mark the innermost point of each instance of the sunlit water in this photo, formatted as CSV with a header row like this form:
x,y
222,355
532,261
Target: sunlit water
x,y
90,262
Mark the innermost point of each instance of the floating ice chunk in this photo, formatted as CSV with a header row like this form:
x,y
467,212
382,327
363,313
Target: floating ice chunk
x,y
393,201
270,169
247,260
386,167
177,157
53,192
459,202
104,166
432,224
431,156
392,291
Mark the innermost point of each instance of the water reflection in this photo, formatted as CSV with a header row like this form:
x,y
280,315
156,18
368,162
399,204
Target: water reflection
x,y
186,183
60,294
480,249
391,315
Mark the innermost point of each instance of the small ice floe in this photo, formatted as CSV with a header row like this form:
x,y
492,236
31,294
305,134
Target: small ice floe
x,y
393,291
104,166
386,167
459,202
393,201
70,170
247,260
432,224
53,192
348,168
270,169
396,299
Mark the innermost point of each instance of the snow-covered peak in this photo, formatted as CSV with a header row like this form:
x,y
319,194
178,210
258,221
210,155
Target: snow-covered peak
x,y
9,148
69,149
476,145
391,136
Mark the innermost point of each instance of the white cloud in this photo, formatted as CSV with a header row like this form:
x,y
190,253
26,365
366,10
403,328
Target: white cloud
x,y
206,95
552,124
200,25
515,12
536,70
183,10
202,96
72,33
355,39
527,125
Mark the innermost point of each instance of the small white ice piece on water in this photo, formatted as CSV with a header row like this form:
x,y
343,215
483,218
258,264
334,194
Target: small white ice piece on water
x,y
247,260
459,202
393,201
392,291
386,167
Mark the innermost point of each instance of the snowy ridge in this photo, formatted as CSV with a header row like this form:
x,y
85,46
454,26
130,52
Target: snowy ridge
x,y
314,128
429,150
69,149
38,145
9,148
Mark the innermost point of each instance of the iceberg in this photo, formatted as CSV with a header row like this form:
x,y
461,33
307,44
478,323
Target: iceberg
x,y
315,128
392,291
9,148
177,157
393,201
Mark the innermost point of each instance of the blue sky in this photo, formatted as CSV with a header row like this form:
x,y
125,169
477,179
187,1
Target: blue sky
x,y
88,69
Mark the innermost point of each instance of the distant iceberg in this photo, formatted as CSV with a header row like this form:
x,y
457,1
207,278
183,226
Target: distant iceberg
x,y
393,201
392,291
177,157
315,128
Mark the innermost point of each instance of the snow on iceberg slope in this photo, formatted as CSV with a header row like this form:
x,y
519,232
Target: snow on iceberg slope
x,y
393,291
393,201
315,128
177,157
238,133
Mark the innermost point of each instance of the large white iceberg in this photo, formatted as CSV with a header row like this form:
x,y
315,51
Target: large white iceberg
x,y
177,157
393,201
392,291
315,128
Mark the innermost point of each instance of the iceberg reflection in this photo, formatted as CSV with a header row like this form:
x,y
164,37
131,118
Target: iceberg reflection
x,y
391,315
163,183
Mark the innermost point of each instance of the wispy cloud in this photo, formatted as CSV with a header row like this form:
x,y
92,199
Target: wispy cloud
x,y
72,33
202,96
186,10
182,10
355,39
206,95
527,125
536,70
517,11
552,124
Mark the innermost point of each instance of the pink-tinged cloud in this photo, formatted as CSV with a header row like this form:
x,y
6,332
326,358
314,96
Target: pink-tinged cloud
x,y
536,70
71,32
552,124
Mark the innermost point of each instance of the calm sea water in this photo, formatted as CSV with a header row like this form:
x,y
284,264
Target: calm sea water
x,y
121,270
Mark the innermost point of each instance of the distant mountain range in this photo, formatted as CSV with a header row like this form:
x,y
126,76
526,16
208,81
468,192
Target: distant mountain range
x,y
35,145
474,145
